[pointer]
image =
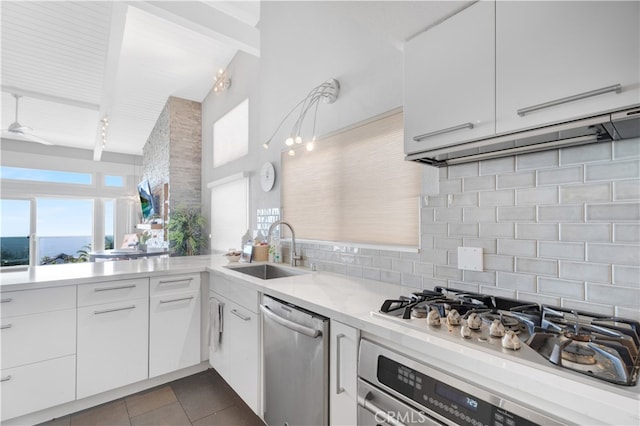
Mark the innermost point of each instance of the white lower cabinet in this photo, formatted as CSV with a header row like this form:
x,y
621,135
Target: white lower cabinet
x,y
343,370
236,354
113,338
174,324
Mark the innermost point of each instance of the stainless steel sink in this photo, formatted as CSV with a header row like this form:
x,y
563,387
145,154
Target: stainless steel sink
x,y
266,271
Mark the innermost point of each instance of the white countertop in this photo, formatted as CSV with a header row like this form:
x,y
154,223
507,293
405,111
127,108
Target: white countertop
x,y
579,399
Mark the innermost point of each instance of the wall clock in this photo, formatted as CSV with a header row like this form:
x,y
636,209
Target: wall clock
x,y
267,176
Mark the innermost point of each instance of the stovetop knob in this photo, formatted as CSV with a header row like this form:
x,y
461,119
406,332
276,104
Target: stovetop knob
x,y
465,331
453,317
433,317
497,328
474,321
511,341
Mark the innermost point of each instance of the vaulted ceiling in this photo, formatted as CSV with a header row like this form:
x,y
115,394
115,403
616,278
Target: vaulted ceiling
x,y
75,63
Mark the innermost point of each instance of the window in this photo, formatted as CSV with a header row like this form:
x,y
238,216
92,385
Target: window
x,y
117,181
229,212
64,226
15,229
231,135
355,187
19,173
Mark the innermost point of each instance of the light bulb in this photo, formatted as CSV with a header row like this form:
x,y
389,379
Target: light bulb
x,y
265,145
310,146
292,153
289,141
298,139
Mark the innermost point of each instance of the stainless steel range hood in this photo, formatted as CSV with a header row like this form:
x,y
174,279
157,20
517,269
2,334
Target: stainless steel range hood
x,y
612,125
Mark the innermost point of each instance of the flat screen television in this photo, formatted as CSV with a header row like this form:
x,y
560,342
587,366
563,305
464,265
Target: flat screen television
x,y
147,200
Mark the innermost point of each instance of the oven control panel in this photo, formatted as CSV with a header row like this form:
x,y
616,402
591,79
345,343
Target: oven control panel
x,y
443,399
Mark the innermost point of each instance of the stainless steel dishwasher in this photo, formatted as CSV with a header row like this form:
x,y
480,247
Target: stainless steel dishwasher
x,y
296,363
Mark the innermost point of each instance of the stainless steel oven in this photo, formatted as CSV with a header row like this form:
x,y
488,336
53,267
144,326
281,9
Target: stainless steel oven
x,y
395,390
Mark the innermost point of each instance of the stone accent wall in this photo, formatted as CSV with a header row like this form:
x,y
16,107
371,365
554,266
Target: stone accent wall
x,y
559,227
172,153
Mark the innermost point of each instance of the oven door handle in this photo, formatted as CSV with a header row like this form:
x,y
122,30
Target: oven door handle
x,y
381,415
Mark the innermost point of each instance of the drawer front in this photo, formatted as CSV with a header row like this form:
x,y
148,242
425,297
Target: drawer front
x,y
174,284
36,301
32,338
112,291
243,296
38,386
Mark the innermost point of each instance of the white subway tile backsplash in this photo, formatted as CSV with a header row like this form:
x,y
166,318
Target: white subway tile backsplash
x,y
560,176
613,170
439,257
613,212
562,288
519,282
631,313
466,199
479,214
500,292
452,214
542,195
463,170
435,228
405,266
536,266
517,180
494,262
496,230
448,272
411,280
626,275
571,194
497,166
424,269
613,295
573,213
624,190
584,271
617,254
526,248
516,214
382,262
371,273
540,298
436,201
448,243
537,231
497,198
453,186
463,229
481,183
585,153
561,250
355,271
427,214
480,277
593,308
585,232
392,277
489,245
626,233
628,148
537,160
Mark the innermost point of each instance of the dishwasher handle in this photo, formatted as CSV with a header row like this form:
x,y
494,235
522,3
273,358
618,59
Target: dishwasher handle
x,y
299,328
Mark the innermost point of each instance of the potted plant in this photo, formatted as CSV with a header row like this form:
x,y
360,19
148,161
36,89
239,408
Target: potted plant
x,y
186,231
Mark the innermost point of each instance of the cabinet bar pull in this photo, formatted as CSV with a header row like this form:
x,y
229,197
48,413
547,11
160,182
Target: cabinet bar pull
x,y
339,388
5,379
175,281
615,88
106,311
4,327
177,300
440,132
380,414
239,315
115,288
6,300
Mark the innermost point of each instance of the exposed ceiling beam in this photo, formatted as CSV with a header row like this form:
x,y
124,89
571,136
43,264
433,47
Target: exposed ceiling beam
x,y
118,21
207,21
50,98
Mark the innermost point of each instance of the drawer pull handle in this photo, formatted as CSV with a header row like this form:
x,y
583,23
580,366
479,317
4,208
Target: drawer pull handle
x,y
6,300
175,281
339,388
115,288
615,88
5,379
4,327
177,300
106,311
442,131
239,315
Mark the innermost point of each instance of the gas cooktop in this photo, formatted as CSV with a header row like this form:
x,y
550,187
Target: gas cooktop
x,y
603,348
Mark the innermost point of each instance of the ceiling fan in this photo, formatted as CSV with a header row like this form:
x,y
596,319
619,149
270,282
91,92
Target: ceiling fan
x,y
20,132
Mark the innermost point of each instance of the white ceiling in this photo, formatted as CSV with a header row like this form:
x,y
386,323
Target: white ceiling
x,y
77,62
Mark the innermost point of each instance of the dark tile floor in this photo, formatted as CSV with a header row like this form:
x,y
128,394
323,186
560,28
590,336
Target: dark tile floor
x,y
203,399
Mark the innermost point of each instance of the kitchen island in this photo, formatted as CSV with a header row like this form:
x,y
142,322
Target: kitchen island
x,y
343,299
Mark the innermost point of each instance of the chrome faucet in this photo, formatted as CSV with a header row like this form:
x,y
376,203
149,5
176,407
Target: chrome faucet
x,y
294,256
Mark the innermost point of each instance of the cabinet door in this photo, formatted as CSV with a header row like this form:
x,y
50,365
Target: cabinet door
x,y
113,345
37,386
238,354
344,374
554,50
449,81
174,332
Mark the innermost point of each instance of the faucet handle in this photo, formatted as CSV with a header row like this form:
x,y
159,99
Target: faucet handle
x,y
295,258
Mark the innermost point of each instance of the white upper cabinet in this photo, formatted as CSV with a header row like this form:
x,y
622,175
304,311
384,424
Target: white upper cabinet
x,y
449,81
564,51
